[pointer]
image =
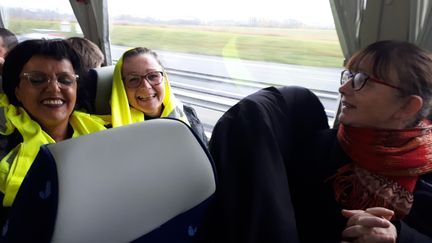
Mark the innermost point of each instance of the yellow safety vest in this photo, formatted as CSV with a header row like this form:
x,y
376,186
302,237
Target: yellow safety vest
x,y
15,165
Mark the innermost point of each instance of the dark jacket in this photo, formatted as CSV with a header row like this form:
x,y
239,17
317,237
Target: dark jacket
x,y
274,153
195,123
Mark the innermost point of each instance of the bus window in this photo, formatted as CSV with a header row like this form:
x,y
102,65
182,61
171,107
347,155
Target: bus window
x,y
215,53
35,19
229,49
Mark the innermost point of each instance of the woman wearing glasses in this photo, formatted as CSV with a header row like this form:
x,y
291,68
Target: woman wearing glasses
x,y
141,91
385,129
286,175
40,81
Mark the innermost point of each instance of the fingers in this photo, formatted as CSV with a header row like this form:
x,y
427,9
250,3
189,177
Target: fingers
x,y
359,233
370,225
354,232
368,220
381,212
349,213
376,211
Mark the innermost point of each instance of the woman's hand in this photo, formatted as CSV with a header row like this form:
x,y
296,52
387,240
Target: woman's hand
x,y
370,225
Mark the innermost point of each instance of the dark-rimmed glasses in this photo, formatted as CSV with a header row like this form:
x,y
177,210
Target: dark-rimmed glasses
x,y
41,79
359,80
135,80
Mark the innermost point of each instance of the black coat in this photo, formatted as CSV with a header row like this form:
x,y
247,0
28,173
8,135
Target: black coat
x,y
273,153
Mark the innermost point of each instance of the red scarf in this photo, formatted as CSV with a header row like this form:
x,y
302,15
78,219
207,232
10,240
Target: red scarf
x,y
385,168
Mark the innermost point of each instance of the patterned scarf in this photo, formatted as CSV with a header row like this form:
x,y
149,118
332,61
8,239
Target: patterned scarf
x,y
386,166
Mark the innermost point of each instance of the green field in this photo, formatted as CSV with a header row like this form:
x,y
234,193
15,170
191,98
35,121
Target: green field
x,y
312,47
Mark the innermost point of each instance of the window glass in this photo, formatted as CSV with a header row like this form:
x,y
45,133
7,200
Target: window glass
x,y
233,48
281,31
48,19
215,52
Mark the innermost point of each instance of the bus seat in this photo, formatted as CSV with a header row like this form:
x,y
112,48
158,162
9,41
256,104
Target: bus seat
x,y
103,77
115,186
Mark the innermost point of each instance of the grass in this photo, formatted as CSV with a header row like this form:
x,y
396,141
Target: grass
x,y
292,46
312,47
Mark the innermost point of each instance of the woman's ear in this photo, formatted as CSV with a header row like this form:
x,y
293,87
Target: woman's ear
x,y
411,107
17,93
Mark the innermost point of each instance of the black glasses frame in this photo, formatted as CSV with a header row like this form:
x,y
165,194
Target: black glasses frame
x,y
142,78
347,75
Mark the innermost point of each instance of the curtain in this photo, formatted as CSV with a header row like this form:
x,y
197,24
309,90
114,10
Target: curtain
x,y
347,18
421,24
361,22
2,25
92,16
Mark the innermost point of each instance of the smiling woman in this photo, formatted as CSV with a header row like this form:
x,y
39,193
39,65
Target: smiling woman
x,y
46,96
141,91
40,81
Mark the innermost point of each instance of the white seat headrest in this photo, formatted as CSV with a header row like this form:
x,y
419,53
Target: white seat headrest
x,y
119,184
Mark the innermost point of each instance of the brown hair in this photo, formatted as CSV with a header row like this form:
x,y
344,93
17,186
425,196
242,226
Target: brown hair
x,y
90,53
411,65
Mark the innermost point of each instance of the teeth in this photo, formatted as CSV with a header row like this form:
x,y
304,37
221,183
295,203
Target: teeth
x,y
146,98
52,102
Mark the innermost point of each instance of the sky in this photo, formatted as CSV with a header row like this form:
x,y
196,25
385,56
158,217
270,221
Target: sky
x,y
312,12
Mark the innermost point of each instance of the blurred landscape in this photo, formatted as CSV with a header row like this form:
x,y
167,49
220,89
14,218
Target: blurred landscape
x,y
287,42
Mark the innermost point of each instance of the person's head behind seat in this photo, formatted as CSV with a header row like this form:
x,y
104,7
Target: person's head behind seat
x,y
91,55
8,40
395,69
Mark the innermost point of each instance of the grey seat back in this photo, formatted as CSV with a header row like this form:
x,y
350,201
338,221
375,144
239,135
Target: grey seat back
x,y
103,77
118,185
145,182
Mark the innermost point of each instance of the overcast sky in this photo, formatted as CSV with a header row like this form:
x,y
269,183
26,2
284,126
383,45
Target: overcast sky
x,y
315,12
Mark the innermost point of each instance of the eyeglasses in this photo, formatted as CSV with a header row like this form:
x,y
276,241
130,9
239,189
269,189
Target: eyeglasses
x,y
359,80
135,80
40,79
